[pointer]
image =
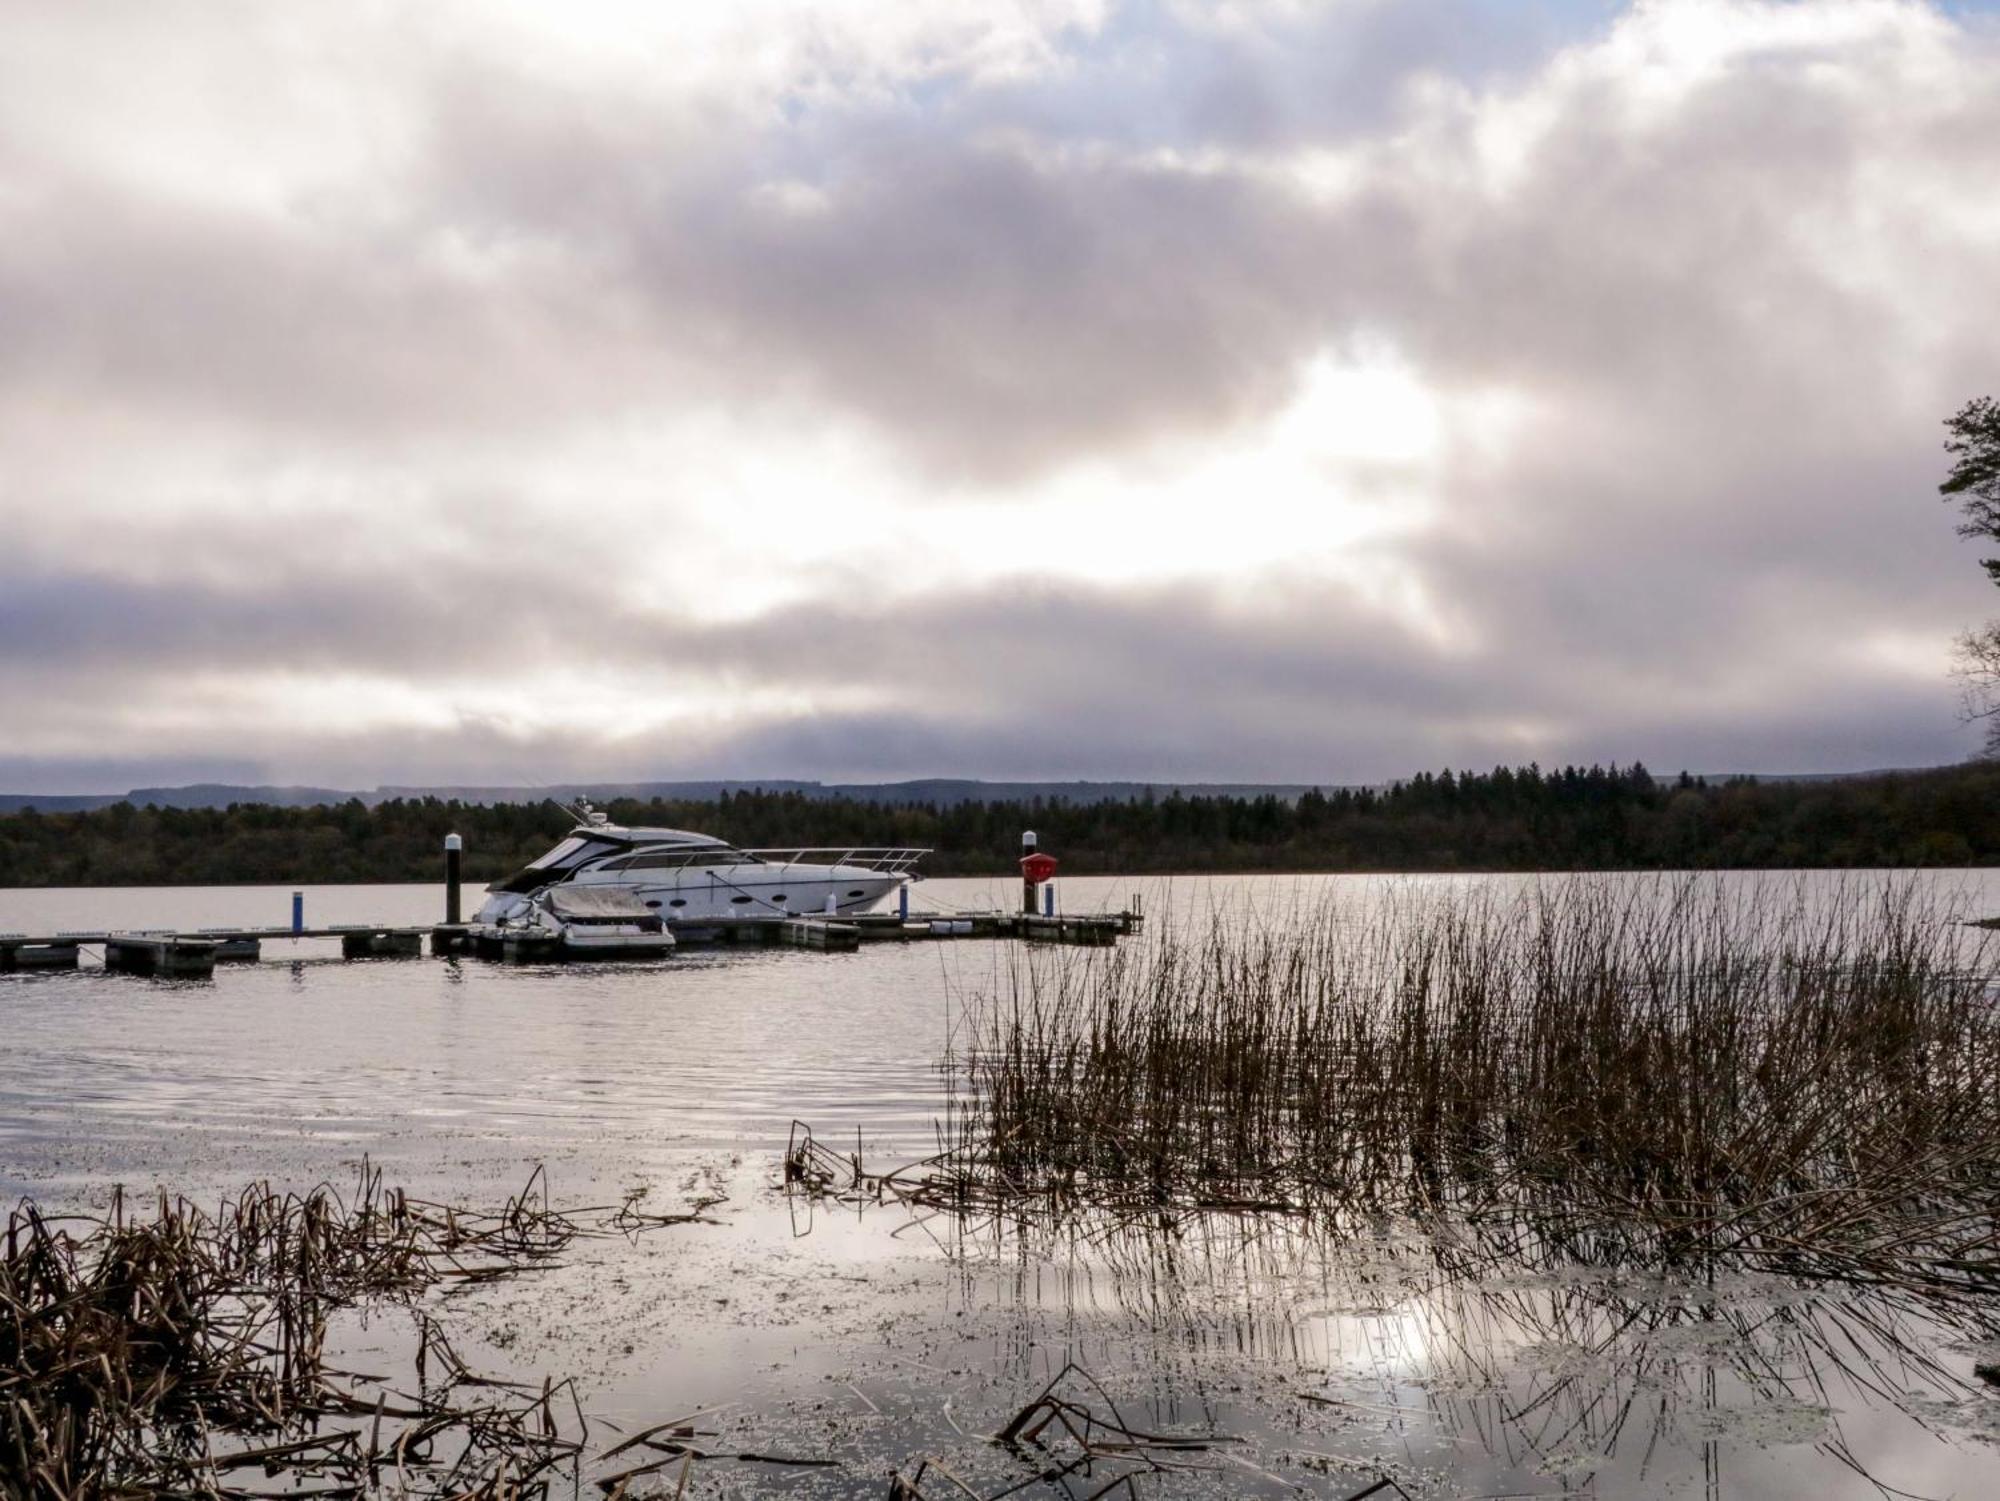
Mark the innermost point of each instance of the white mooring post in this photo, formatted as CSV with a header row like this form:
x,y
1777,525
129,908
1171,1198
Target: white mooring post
x,y
453,846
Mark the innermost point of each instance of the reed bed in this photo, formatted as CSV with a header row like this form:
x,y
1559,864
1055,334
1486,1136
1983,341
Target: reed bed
x,y
1800,1075
174,1352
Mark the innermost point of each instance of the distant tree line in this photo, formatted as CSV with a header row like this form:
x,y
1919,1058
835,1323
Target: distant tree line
x,y
1599,818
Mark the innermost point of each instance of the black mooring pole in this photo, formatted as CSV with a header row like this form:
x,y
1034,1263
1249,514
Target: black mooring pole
x,y
452,846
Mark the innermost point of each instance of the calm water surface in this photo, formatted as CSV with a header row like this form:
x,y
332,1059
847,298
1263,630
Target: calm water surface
x,y
857,1336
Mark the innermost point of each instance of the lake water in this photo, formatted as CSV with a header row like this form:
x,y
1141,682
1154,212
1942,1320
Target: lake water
x,y
852,1335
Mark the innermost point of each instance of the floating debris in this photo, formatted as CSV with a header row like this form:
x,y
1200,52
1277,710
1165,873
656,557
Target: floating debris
x,y
1101,1444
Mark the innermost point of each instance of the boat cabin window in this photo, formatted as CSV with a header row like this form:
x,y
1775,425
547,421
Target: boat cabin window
x,y
657,860
682,858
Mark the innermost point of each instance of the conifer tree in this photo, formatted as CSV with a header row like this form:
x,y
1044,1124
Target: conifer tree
x,y
1974,483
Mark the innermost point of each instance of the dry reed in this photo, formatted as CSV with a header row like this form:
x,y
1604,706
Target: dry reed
x,y
167,1354
1800,1076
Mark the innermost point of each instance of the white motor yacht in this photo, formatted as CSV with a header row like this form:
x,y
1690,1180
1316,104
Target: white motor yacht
x,y
685,877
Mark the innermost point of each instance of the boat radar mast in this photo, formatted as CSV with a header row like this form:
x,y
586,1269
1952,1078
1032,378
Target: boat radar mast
x,y
584,814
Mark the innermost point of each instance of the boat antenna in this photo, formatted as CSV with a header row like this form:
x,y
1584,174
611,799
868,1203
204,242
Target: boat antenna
x,y
584,814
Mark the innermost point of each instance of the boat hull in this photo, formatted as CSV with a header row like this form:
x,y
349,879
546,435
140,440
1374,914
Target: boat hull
x,y
711,894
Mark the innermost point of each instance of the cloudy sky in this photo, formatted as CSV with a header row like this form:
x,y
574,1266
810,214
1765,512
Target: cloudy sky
x,y
1010,388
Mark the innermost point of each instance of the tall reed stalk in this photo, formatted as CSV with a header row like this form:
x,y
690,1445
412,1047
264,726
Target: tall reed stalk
x,y
1805,1074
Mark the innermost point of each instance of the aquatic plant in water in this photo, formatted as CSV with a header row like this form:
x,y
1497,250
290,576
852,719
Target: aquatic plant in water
x,y
169,1353
1795,1076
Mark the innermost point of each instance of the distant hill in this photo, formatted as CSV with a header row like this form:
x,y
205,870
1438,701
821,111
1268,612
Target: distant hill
x,y
200,795
59,802
944,791
947,792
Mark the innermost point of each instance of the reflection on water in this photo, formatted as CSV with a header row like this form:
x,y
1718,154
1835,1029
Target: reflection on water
x,y
845,1331
1474,1366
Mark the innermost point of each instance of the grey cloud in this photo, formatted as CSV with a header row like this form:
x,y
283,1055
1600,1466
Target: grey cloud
x,y
1728,458
987,314
990,312
1328,684
1304,75
91,774
996,283
1068,681
1324,743
1116,733
57,621
1001,301
113,305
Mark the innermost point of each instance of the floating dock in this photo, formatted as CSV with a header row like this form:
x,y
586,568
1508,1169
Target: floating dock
x,y
852,931
172,953
194,953
179,953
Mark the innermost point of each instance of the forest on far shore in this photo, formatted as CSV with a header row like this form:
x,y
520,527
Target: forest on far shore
x,y
1509,819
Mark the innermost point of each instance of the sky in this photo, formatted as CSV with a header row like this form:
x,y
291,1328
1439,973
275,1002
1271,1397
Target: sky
x,y
1264,390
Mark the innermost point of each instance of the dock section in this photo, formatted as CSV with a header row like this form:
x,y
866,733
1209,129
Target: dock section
x,y
194,954
836,935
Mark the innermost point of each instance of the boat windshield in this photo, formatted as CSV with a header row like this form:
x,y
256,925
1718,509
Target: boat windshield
x,y
566,856
557,855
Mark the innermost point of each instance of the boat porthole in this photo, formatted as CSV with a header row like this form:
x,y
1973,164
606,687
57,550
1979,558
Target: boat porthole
x,y
856,892
779,897
739,900
679,901
654,905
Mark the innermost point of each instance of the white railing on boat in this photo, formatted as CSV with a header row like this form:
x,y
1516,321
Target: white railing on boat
x,y
889,862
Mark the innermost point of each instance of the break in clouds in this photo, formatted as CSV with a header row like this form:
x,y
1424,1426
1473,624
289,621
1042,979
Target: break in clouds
x,y
1259,392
